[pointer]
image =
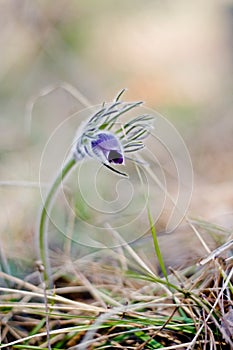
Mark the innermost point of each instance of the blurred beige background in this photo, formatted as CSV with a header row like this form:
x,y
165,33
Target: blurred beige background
x,y
175,55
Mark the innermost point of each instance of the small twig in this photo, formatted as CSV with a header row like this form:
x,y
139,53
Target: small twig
x,y
40,268
142,346
46,91
26,184
215,253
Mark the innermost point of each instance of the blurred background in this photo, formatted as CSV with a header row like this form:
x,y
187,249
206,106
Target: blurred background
x,y
176,55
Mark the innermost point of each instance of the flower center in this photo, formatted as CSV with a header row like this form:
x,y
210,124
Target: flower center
x,y
115,157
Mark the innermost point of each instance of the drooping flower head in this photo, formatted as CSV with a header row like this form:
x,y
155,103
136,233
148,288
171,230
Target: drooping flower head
x,y
107,140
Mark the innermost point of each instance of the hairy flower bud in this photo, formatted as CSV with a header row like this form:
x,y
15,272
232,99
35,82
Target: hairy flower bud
x,y
107,140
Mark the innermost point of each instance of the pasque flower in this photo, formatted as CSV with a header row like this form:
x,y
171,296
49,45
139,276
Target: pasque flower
x,y
106,139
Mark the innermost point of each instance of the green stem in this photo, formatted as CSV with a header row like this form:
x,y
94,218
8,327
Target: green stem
x,y
44,216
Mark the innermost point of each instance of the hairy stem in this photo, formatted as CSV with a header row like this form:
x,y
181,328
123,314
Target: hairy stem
x,y
44,217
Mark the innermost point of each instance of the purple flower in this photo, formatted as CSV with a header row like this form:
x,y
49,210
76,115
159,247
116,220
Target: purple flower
x,y
108,148
106,139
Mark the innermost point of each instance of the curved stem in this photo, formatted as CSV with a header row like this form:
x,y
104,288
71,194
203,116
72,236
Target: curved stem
x,y
44,216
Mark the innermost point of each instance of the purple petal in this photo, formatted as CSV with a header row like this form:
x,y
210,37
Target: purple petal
x,y
107,146
106,141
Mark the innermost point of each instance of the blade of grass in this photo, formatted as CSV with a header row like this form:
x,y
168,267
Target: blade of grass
x,y
153,231
156,245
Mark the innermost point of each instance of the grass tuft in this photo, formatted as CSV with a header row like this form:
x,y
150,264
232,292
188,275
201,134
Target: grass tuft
x,y
121,306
